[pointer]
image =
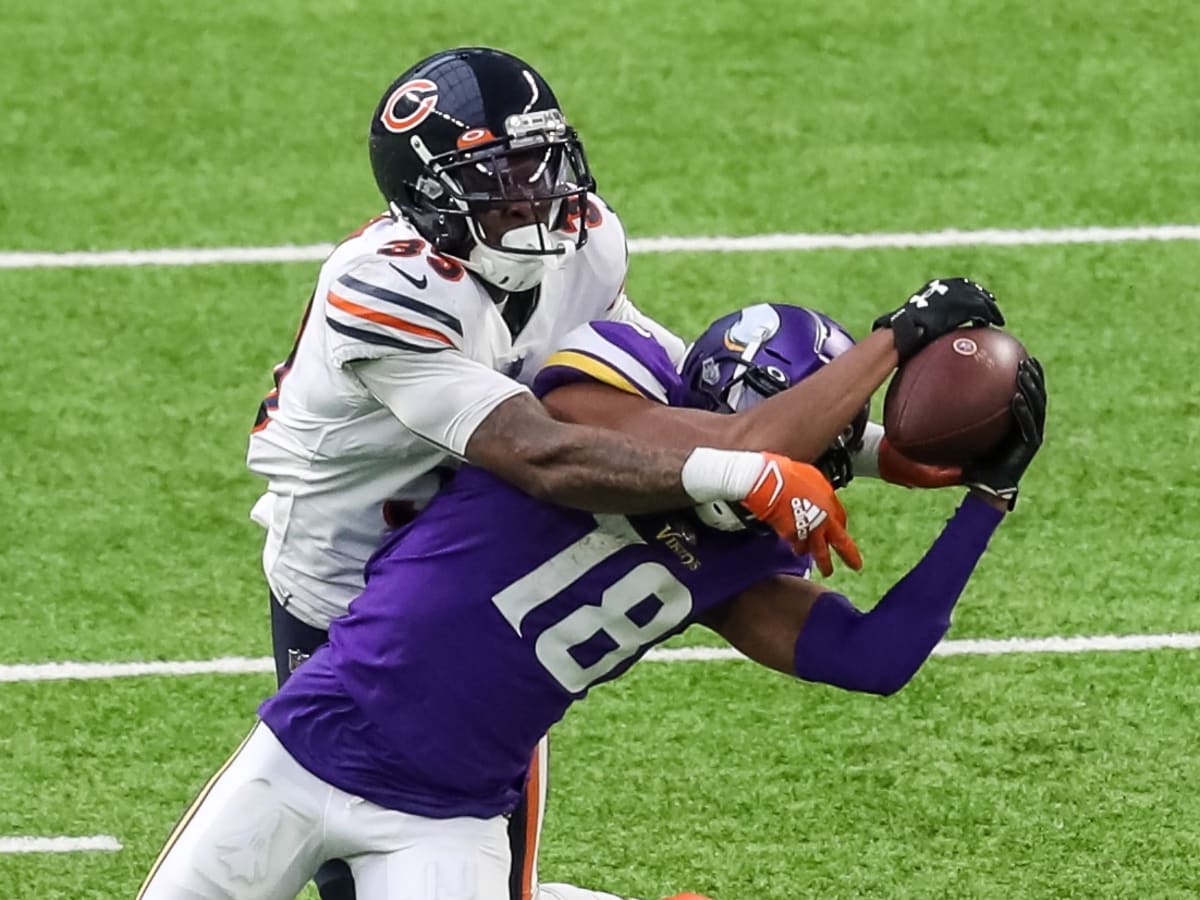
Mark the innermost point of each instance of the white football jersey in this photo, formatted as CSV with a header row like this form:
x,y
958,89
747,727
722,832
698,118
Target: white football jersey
x,y
401,355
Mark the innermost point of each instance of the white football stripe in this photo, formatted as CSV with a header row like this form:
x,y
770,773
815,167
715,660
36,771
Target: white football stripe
x,y
950,237
96,842
243,665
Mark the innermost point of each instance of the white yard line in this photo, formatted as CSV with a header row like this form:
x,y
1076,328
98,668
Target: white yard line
x,y
97,842
243,665
1104,643
990,237
77,671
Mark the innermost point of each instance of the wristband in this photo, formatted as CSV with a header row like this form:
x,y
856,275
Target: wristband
x,y
710,474
865,460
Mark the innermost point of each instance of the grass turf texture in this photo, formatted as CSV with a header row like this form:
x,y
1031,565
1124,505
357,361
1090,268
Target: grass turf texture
x,y
128,395
125,396
722,778
154,124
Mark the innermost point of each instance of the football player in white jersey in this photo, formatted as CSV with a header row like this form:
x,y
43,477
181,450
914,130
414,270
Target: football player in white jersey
x,y
425,327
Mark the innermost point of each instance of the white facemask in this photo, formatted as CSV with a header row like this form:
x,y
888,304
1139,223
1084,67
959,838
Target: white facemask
x,y
515,272
719,515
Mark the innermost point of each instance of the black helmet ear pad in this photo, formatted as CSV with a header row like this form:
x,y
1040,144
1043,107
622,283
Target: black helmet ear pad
x,y
446,231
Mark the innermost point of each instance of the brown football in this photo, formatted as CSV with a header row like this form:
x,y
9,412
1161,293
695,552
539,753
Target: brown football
x,y
949,403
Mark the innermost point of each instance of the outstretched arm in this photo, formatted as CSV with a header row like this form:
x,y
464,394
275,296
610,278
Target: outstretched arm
x,y
804,420
606,471
800,422
482,416
578,465
800,628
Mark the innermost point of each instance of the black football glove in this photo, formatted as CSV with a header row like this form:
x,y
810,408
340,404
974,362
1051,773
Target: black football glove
x,y
938,308
1000,472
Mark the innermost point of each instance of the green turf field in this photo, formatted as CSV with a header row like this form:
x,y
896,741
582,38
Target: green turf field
x,y
126,395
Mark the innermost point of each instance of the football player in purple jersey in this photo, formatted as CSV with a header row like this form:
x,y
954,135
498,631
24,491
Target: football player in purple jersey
x,y
402,744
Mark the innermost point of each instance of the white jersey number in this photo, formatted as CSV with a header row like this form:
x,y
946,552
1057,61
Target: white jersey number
x,y
610,617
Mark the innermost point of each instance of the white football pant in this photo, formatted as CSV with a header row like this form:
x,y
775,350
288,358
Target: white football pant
x,y
263,824
570,892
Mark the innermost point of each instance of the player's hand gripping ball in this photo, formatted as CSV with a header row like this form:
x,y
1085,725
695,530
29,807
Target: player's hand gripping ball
x,y
940,307
950,403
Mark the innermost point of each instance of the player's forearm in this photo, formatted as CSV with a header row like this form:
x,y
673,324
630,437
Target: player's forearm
x,y
879,651
601,470
804,420
604,471
800,422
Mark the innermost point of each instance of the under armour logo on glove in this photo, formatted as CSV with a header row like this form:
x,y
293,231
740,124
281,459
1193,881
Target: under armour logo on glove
x,y
808,516
939,307
921,298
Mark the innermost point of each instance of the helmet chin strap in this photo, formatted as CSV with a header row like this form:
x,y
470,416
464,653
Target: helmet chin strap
x,y
517,272
720,515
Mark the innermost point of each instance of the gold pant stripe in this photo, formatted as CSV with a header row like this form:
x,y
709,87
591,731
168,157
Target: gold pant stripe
x,y
191,811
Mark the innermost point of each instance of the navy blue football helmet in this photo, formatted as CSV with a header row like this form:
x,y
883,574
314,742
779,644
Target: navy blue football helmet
x,y
749,355
469,135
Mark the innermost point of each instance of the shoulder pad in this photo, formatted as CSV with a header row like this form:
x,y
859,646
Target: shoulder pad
x,y
618,354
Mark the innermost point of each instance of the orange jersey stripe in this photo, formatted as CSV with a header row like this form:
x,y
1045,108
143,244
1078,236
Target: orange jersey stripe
x,y
533,808
380,318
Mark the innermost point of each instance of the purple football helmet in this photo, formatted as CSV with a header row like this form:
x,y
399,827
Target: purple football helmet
x,y
758,351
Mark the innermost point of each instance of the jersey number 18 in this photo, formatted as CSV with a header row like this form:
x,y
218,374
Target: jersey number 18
x,y
610,617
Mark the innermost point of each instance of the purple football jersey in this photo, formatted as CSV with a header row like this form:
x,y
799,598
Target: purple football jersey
x,y
486,618
480,624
